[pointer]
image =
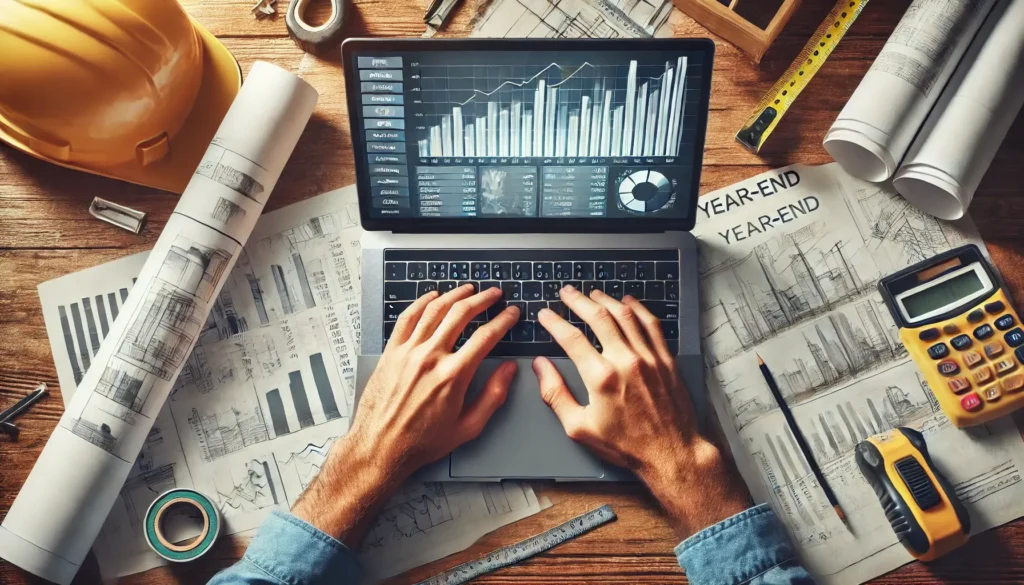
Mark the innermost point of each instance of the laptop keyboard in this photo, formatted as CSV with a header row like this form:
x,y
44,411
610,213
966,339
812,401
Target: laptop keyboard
x,y
531,279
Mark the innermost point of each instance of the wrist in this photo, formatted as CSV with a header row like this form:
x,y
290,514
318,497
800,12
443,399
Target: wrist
x,y
345,496
695,485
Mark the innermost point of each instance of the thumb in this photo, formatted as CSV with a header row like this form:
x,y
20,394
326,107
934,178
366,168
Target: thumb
x,y
475,416
557,396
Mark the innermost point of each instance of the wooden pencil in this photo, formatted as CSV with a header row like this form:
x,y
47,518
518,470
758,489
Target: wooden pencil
x,y
800,440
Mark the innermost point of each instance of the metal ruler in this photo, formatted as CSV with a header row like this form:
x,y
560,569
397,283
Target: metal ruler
x,y
774,105
520,551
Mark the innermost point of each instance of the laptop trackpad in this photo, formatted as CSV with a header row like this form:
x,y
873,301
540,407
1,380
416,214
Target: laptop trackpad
x,y
524,438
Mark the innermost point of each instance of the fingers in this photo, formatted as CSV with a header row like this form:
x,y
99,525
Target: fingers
x,y
626,320
572,340
486,337
652,328
407,321
461,313
557,396
595,315
436,310
475,416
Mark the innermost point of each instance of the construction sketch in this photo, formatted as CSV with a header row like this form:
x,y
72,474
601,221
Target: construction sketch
x,y
604,19
426,521
791,277
107,422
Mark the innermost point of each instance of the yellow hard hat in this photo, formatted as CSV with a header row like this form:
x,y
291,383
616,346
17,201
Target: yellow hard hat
x,y
129,89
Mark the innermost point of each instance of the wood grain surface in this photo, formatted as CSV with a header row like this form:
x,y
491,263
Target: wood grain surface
x,y
46,231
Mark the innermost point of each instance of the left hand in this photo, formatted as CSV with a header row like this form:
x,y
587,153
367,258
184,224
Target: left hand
x,y
413,410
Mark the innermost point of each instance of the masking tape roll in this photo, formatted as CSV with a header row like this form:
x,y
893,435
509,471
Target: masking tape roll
x,y
199,545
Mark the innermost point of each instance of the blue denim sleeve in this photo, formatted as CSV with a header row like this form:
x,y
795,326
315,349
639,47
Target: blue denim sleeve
x,y
750,547
288,551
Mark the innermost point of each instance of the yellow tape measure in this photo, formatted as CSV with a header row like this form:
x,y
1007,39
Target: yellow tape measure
x,y
774,105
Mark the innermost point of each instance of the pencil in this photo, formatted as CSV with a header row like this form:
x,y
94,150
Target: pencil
x,y
801,441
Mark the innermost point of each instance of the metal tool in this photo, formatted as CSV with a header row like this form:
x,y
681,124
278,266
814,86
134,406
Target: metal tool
x,y
520,551
6,426
437,14
774,105
123,217
918,501
316,39
264,9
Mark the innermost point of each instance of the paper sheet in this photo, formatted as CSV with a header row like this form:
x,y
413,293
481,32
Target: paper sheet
x,y
108,422
426,522
293,295
948,159
876,127
790,260
600,19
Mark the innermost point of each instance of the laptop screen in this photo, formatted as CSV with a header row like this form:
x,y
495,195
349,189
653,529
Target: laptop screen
x,y
550,130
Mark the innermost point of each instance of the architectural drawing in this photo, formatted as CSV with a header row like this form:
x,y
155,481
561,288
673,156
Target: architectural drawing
x,y
415,510
252,486
226,432
801,294
222,165
605,19
225,210
194,269
302,466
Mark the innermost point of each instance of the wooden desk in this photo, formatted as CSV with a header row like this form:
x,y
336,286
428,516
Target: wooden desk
x,y
45,232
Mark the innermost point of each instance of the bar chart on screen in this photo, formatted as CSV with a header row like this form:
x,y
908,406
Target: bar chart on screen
x,y
552,110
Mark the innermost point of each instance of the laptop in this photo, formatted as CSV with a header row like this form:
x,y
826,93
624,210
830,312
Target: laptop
x,y
527,165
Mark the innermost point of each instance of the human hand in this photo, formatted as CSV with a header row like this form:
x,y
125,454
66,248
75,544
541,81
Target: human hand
x,y
413,409
640,415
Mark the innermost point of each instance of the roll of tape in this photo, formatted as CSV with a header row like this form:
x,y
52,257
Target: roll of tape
x,y
199,545
315,39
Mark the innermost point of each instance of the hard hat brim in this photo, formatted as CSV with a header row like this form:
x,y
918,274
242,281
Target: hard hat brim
x,y
221,79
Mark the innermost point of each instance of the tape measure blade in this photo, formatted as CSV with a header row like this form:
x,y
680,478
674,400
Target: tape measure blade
x,y
778,100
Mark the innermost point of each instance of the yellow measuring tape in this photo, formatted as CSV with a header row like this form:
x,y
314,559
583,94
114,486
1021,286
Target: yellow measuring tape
x,y
774,105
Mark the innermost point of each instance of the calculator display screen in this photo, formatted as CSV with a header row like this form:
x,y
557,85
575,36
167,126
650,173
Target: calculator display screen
x,y
943,294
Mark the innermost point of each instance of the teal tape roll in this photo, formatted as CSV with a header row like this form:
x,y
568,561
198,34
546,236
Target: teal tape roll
x,y
199,545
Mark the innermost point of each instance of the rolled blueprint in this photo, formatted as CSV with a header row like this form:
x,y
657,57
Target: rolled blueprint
x,y
876,127
70,491
958,142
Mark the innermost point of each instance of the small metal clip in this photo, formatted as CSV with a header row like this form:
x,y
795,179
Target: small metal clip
x,y
123,217
264,8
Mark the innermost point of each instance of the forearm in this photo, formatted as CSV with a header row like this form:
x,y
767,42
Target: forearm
x,y
346,495
695,486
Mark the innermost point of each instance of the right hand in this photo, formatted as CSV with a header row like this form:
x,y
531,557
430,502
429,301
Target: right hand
x,y
640,415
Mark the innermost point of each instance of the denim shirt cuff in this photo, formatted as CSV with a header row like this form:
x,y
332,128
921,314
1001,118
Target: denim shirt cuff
x,y
735,550
293,552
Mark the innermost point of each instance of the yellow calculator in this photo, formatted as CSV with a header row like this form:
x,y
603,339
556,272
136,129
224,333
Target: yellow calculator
x,y
958,324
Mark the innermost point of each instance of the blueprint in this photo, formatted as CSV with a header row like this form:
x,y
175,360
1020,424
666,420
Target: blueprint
x,y
789,262
265,393
603,19
110,420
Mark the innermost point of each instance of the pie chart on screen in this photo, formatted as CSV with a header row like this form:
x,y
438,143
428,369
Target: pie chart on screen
x,y
644,191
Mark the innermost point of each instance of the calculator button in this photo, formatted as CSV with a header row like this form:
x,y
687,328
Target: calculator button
x,y
959,385
975,316
993,350
1005,366
1013,383
995,307
1005,322
948,367
983,376
972,358
928,334
961,342
938,351
1014,337
970,402
991,393
984,331
950,329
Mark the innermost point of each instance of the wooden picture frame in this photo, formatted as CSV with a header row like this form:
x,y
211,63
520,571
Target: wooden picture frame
x,y
723,20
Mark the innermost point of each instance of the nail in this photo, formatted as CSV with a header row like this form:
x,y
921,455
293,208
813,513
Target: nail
x,y
543,311
569,288
512,308
627,297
